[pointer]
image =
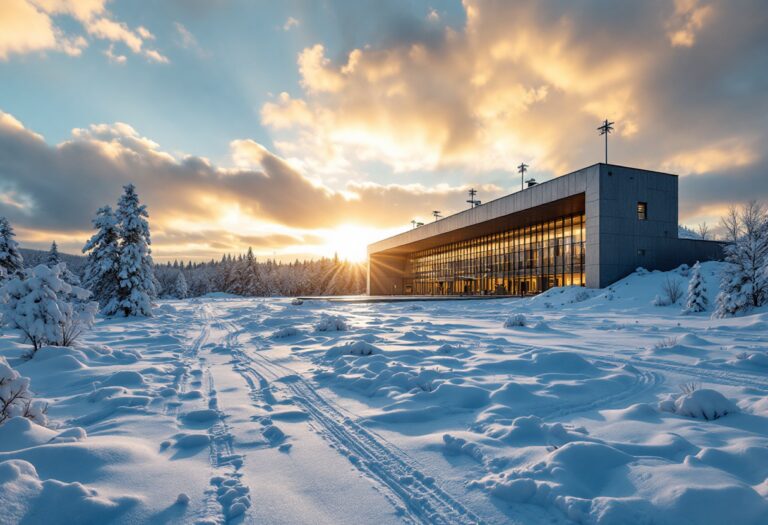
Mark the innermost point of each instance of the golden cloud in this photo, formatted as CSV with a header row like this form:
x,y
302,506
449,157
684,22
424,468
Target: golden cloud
x,y
261,196
28,26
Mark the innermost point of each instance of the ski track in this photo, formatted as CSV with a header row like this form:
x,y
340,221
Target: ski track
x,y
644,382
228,498
722,377
416,496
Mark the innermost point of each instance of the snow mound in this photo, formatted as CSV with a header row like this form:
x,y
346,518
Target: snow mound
x,y
514,321
702,403
531,430
286,331
192,440
25,498
585,479
357,348
331,323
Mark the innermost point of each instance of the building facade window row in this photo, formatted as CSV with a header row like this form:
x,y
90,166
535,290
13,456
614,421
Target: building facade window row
x,y
521,261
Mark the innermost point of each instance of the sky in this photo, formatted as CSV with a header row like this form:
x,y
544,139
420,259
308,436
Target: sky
x,y
308,128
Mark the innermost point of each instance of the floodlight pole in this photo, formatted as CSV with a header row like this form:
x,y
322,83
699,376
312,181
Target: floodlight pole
x,y
436,215
606,129
521,169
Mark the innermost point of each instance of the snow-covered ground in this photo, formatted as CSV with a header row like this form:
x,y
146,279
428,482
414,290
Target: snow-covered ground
x,y
586,406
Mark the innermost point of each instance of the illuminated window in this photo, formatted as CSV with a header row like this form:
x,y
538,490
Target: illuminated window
x,y
642,211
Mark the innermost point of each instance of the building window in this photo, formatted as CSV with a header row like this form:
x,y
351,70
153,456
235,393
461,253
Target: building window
x,y
642,211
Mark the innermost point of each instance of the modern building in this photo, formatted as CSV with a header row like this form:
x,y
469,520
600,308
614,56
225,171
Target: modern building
x,y
588,228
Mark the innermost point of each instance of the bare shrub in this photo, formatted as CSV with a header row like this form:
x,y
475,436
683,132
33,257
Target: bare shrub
x,y
672,290
689,386
667,342
15,397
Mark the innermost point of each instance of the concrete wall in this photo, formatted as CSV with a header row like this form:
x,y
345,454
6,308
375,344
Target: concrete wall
x,y
626,242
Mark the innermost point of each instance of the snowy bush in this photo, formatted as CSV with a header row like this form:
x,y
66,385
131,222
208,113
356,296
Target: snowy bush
x,y
697,292
514,321
286,331
744,282
700,403
15,397
658,300
45,308
331,323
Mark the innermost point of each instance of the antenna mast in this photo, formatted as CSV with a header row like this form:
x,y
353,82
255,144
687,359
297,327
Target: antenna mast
x,y
472,201
522,169
606,129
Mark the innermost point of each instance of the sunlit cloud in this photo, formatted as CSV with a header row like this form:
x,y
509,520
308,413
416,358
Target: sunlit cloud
x,y
197,208
28,26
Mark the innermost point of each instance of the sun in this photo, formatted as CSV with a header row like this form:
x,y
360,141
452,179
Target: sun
x,y
350,242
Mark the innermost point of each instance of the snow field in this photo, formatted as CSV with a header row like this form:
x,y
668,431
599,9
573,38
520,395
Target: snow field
x,y
600,408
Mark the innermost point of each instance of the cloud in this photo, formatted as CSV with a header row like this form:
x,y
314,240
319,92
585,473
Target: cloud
x,y
114,57
186,40
689,18
530,81
26,29
56,189
290,23
28,26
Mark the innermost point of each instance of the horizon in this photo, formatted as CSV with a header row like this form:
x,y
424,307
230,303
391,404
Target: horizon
x,y
305,130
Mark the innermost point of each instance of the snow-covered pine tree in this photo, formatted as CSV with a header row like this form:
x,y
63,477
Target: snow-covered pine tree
x,y
249,276
45,308
180,289
54,258
102,264
10,259
53,255
697,291
744,281
136,278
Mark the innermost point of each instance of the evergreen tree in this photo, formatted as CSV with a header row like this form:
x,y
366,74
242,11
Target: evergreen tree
x,y
744,282
180,289
102,264
697,292
136,280
54,259
53,255
11,260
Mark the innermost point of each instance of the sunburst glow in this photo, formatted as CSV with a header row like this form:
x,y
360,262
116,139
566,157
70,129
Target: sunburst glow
x,y
350,241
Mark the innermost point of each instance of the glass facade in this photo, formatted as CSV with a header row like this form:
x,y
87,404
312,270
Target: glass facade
x,y
525,260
